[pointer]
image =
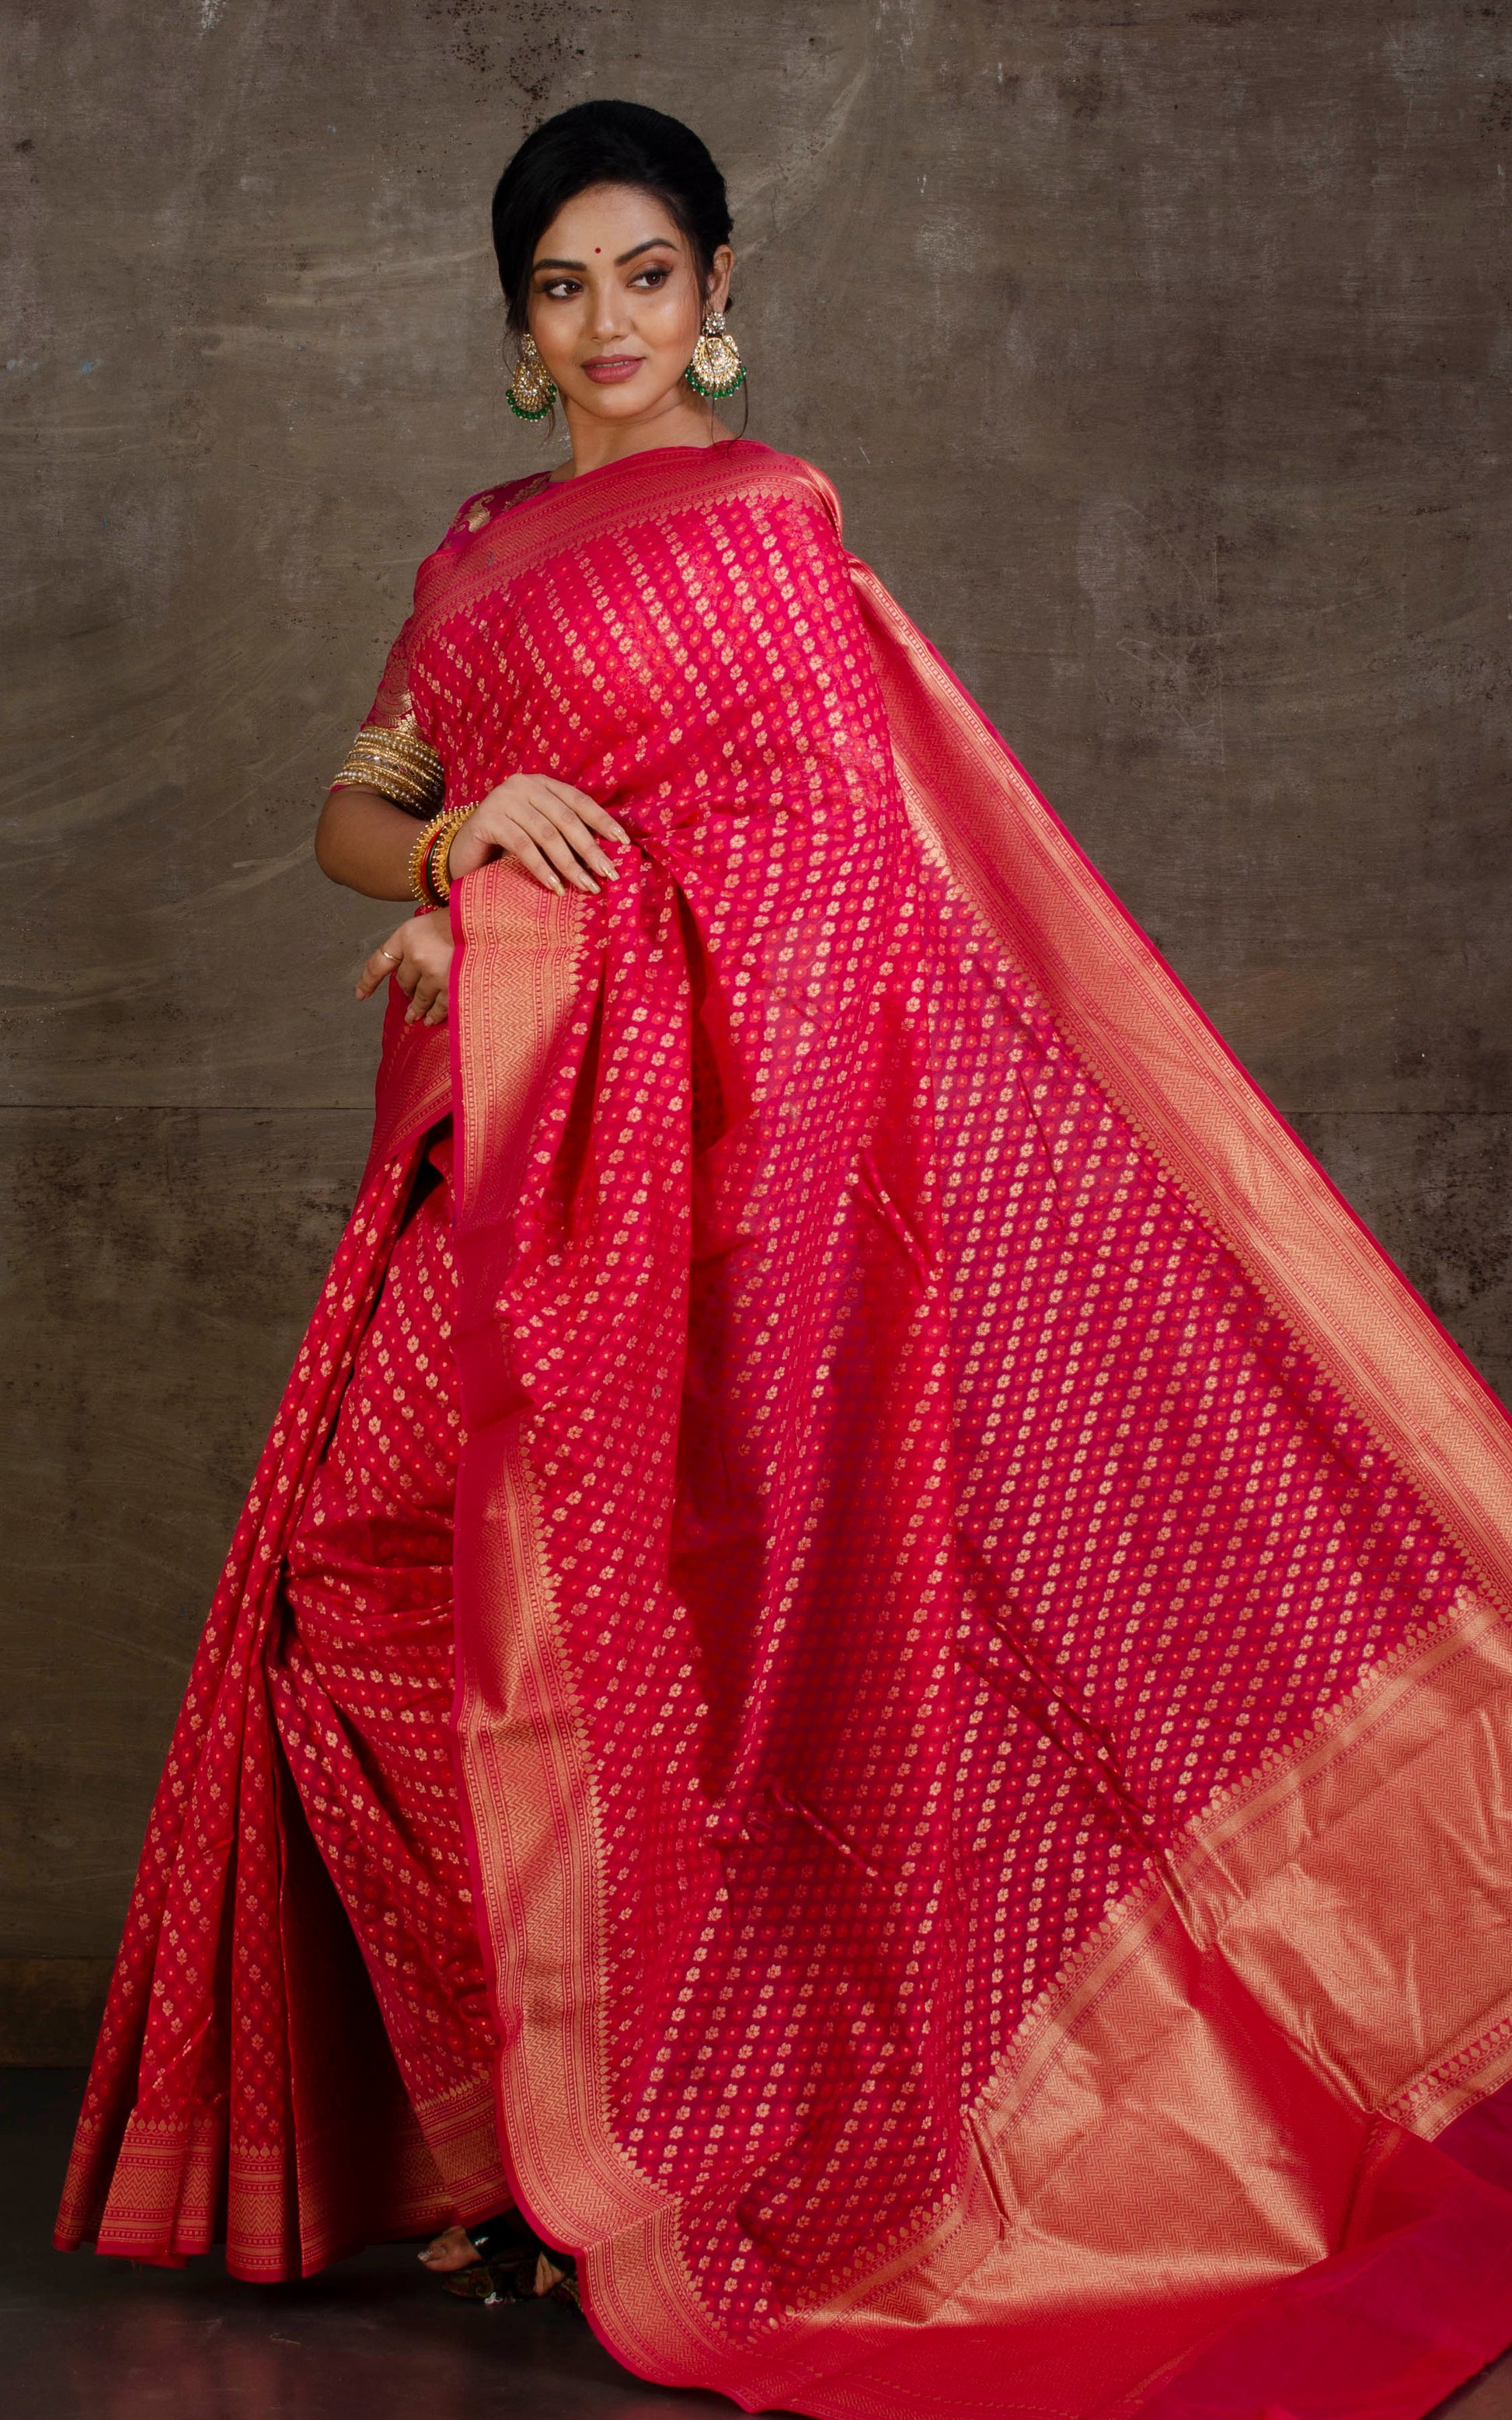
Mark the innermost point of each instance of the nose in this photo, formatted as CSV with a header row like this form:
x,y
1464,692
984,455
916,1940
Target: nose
x,y
607,314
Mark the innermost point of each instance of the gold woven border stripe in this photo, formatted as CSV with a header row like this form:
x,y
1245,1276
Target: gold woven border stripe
x,y
573,514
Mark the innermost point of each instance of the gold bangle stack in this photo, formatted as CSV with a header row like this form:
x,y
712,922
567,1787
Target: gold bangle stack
x,y
429,878
394,760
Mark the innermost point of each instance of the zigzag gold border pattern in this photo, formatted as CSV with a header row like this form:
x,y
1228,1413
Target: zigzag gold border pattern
x,y
165,2186
461,2136
521,1752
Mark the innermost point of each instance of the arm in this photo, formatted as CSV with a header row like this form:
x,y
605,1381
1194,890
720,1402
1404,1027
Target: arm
x,y
379,805
363,841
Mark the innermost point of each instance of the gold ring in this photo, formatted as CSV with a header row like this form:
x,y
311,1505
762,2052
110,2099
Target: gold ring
x,y
390,953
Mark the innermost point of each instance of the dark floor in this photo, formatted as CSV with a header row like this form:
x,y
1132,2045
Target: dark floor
x,y
374,2338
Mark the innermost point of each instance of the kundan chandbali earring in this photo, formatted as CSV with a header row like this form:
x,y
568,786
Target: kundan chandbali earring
x,y
716,368
532,388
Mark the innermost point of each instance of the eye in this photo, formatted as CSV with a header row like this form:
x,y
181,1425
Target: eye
x,y
656,275
557,288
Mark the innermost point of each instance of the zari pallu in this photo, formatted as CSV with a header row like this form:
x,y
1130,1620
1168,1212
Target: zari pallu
x,y
983,1665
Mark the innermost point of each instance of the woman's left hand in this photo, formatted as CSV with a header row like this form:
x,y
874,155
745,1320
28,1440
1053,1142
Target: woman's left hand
x,y
419,958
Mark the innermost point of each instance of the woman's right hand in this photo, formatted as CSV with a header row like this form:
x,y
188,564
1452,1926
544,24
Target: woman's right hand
x,y
419,958
546,824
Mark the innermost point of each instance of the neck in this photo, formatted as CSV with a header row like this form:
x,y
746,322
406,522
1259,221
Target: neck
x,y
681,418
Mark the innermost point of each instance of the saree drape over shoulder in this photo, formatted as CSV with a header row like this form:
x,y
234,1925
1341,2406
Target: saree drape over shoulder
x,y
983,1665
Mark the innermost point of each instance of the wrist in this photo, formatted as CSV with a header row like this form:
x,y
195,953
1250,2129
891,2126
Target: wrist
x,y
430,878
468,846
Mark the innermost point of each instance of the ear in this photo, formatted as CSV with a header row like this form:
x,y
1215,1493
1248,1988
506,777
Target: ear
x,y
716,293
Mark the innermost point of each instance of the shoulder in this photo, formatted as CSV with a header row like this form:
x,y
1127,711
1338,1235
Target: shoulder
x,y
762,469
818,484
477,511
474,513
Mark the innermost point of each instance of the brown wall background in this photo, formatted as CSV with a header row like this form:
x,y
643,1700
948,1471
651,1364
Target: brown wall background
x,y
1161,353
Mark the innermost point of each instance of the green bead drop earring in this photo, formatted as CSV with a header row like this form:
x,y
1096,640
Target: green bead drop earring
x,y
532,390
716,368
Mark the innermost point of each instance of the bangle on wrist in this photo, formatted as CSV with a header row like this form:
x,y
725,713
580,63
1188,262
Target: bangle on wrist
x,y
429,879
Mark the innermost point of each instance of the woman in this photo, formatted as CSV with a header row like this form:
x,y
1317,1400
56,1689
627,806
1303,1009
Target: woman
x,y
959,1870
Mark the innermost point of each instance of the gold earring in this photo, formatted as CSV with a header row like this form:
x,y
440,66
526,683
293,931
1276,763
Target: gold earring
x,y
715,367
532,390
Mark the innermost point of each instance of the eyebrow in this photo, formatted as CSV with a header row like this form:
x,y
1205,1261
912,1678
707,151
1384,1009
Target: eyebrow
x,y
619,258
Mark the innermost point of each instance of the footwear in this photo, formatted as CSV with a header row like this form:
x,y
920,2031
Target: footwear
x,y
515,2265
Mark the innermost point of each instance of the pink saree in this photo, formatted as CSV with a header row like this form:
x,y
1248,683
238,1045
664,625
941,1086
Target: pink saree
x,y
983,1665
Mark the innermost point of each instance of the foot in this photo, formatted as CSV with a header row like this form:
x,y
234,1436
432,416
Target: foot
x,y
508,2262
549,2272
449,2250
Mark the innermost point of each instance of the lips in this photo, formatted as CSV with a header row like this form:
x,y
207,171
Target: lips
x,y
610,369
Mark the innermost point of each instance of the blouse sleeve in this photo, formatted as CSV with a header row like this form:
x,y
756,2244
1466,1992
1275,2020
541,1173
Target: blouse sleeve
x,y
390,753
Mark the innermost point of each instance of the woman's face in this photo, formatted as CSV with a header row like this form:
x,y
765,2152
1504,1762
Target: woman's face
x,y
615,304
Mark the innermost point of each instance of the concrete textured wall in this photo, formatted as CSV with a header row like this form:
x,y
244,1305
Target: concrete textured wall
x,y
1160,355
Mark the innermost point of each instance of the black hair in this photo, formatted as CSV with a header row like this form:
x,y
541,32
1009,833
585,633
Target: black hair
x,y
604,143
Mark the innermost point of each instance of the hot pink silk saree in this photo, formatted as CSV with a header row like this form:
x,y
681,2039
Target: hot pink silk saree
x,y
981,1606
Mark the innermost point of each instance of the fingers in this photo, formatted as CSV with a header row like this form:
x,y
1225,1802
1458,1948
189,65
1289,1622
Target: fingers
x,y
524,849
383,963
569,844
419,958
586,811
422,989
550,827
428,998
560,834
578,819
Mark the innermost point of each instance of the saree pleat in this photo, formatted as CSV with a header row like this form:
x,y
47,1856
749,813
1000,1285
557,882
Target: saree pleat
x,y
361,1680
244,2084
983,1671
